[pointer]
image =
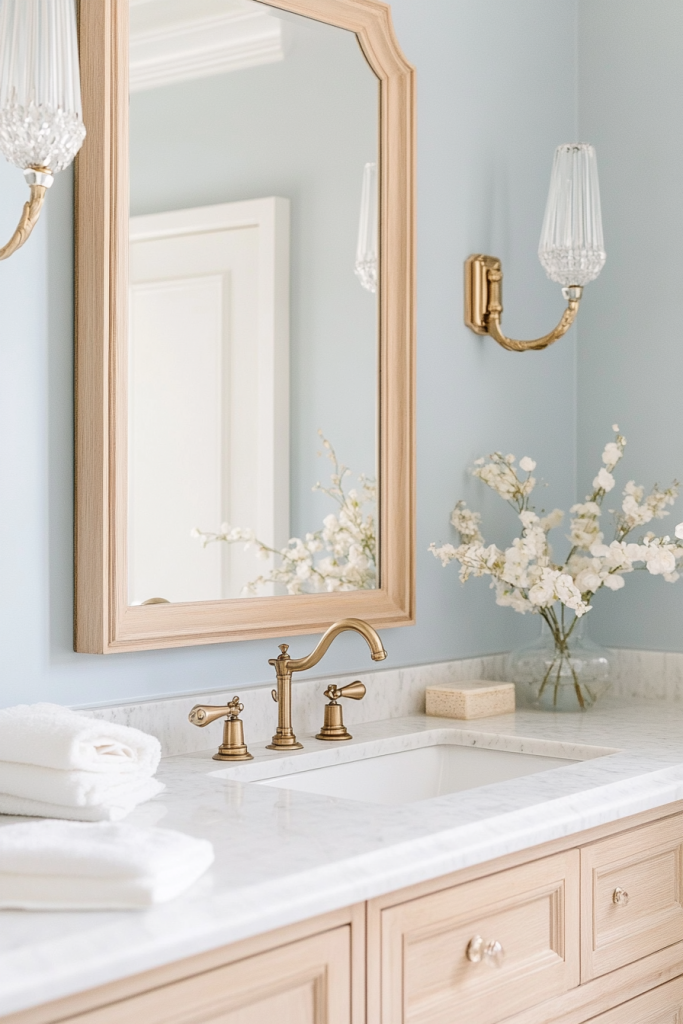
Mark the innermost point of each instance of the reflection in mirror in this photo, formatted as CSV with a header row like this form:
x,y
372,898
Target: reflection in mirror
x,y
253,346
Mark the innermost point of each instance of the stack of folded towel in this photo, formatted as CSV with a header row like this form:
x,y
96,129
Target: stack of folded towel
x,y
68,865
57,763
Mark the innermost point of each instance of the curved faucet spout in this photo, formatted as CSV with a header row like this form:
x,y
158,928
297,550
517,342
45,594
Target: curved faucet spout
x,y
284,738
377,652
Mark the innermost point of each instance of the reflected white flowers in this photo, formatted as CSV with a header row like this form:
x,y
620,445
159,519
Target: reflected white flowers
x,y
524,575
348,540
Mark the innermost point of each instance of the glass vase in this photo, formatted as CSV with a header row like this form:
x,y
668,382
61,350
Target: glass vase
x,y
562,670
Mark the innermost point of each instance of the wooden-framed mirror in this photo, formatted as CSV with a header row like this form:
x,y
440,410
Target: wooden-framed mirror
x,y
206,384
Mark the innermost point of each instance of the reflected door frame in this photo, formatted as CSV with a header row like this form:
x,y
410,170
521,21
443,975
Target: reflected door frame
x,y
104,621
246,400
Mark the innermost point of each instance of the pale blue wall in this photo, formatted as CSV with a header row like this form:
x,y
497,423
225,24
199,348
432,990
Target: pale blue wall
x,y
496,95
630,349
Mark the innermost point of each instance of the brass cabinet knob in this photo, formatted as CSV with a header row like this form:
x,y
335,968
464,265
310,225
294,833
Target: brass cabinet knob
x,y
480,951
620,897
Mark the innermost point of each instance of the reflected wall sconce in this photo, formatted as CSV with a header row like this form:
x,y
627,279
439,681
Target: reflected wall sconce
x,y
41,120
571,249
365,267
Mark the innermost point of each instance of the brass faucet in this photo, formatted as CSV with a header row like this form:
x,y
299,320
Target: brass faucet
x,y
284,738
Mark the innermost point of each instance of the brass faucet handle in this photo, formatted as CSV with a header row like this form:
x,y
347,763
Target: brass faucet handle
x,y
333,726
205,714
355,691
233,747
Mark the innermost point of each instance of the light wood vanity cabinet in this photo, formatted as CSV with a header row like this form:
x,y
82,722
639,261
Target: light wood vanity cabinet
x,y
532,912
305,982
586,929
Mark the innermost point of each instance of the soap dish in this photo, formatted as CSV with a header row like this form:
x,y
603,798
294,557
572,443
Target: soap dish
x,y
474,698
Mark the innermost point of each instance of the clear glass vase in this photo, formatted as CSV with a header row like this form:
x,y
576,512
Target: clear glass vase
x,y
562,670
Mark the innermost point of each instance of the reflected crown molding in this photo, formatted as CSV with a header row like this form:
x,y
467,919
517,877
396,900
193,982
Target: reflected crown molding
x,y
180,42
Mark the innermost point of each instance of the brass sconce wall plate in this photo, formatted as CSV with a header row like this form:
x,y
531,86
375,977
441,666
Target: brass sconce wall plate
x,y
484,305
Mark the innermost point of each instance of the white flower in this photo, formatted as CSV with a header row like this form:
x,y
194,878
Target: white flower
x,y
552,520
614,582
527,464
466,522
446,552
588,581
615,428
678,532
604,480
543,592
528,518
671,577
611,455
569,594
660,561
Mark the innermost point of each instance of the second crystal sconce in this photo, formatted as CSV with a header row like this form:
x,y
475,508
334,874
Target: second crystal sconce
x,y
41,126
571,250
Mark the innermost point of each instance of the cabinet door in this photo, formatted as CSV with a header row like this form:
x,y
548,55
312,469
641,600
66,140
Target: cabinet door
x,y
435,969
632,896
306,982
663,1005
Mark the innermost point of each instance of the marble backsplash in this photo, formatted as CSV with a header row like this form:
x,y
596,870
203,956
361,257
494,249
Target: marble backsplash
x,y
391,693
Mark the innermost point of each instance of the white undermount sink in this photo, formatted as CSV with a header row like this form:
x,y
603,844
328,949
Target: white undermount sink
x,y
407,776
404,769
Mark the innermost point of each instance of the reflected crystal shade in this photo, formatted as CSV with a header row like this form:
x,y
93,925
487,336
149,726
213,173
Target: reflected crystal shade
x,y
366,251
41,123
572,249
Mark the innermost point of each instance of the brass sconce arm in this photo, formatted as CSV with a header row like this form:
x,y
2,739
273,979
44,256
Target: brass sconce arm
x,y
39,180
484,307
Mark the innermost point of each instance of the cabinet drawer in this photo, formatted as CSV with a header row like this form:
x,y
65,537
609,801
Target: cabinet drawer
x,y
532,911
631,896
663,1005
305,982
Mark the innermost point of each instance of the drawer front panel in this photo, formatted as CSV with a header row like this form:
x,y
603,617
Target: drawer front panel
x,y
663,1005
632,892
531,911
305,982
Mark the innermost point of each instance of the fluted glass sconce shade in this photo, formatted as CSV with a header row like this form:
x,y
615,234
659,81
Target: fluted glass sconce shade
x,y
41,123
367,249
572,249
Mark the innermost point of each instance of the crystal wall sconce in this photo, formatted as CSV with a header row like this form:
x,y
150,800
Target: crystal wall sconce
x,y
41,123
571,250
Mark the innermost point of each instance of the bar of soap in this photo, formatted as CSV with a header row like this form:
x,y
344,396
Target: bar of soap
x,y
476,698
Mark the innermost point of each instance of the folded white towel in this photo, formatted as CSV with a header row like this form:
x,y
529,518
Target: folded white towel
x,y
57,737
74,788
116,806
59,865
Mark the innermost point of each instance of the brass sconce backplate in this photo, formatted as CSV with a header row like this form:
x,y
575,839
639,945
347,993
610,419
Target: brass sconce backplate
x,y
477,291
484,305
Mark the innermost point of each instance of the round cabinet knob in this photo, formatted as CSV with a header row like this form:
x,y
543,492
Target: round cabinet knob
x,y
494,954
620,897
479,950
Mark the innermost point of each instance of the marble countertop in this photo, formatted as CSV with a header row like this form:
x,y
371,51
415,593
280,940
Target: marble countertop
x,y
283,856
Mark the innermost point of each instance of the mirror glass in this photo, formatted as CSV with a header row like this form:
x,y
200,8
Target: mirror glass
x,y
253,330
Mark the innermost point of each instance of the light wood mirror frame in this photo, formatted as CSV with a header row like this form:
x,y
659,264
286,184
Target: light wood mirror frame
x,y
104,622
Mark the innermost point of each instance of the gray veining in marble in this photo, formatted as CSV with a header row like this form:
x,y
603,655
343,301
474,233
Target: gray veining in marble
x,y
282,856
391,693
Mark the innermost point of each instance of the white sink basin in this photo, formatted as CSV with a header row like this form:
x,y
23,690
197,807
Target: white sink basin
x,y
406,776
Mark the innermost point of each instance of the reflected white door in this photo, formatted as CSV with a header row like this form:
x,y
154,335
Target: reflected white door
x,y
209,402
